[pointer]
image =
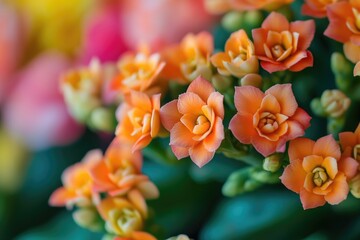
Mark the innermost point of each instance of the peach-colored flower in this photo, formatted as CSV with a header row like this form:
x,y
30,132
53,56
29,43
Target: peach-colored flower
x,y
120,172
138,72
269,5
78,183
267,120
316,8
344,23
195,122
189,59
350,143
281,45
352,52
238,58
139,119
317,172
123,218
217,6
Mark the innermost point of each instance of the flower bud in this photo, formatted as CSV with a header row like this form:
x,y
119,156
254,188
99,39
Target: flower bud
x,y
272,163
342,69
180,237
251,79
88,218
124,221
253,18
221,83
355,186
233,21
335,103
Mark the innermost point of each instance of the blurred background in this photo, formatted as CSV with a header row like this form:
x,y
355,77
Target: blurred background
x,y
40,40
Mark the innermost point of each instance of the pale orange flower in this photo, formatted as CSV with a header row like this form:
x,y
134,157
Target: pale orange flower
x,y
317,172
316,8
238,58
281,45
124,218
189,59
195,122
267,120
344,23
139,119
350,143
269,5
119,173
138,71
78,183
217,6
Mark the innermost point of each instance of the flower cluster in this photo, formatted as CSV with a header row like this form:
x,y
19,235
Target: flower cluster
x,y
238,101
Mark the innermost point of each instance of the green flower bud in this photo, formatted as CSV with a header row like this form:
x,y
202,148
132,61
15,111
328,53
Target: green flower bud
x,y
233,21
272,163
343,70
102,119
88,218
355,186
253,18
251,79
221,83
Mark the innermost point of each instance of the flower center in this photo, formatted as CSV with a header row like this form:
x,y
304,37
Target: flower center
x,y
319,176
277,50
202,124
123,222
268,123
356,152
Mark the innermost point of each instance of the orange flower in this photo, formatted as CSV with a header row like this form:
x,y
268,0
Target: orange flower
x,y
189,59
120,172
217,6
267,120
352,52
344,20
281,45
316,8
350,143
78,184
317,173
138,72
139,119
238,58
269,5
195,122
123,218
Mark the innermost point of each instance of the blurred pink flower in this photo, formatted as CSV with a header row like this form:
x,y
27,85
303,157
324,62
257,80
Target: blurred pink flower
x,y
103,35
158,23
35,111
10,45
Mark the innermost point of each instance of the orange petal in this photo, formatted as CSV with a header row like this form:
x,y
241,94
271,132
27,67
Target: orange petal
x,y
141,100
213,140
241,127
218,59
312,161
357,69
337,14
294,130
270,104
340,190
201,87
190,102
276,22
259,36
306,30
285,96
148,189
247,99
60,197
264,146
170,115
331,167
352,52
347,139
181,136
180,152
215,101
348,166
142,236
138,200
301,117
300,148
311,200
295,58
155,123
327,147
142,142
199,155
293,176
272,67
205,42
308,61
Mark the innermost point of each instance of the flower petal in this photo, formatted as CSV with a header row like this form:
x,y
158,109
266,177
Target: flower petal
x,y
306,30
241,127
300,148
247,99
200,155
340,190
181,136
348,166
312,161
213,140
311,200
264,146
180,152
331,167
60,197
141,100
190,102
285,96
215,101
305,62
327,147
201,87
170,115
276,22
293,176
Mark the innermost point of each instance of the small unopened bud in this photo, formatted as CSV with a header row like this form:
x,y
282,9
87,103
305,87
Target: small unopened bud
x,y
272,163
251,79
335,103
253,18
221,83
340,66
233,21
102,119
355,186
88,218
357,69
